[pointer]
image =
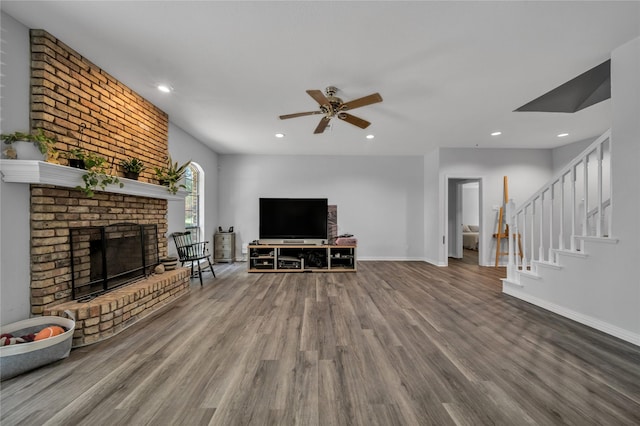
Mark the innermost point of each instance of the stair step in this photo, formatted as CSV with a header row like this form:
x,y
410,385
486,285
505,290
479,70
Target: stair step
x,y
550,265
511,282
573,253
605,240
530,274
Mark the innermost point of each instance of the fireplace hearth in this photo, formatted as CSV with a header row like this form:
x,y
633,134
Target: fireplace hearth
x,y
106,257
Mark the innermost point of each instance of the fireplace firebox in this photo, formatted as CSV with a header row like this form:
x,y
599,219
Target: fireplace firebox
x,y
106,257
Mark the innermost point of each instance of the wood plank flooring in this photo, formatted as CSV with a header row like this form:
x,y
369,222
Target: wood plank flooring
x,y
397,343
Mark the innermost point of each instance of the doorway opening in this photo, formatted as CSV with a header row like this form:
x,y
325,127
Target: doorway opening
x,y
464,219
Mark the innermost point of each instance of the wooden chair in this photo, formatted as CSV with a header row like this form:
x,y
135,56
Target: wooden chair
x,y
194,252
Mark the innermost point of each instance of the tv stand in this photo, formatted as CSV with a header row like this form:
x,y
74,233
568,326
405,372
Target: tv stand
x,y
301,258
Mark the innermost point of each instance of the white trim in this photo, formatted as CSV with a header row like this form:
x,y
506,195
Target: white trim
x,y
444,212
547,264
201,201
392,259
605,240
587,320
529,274
40,172
571,253
510,282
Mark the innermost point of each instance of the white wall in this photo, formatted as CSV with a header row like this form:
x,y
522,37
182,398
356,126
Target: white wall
x,y
470,203
379,199
14,198
433,199
184,147
562,155
527,170
622,306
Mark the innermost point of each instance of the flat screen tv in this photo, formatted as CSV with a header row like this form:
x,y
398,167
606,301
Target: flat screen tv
x,y
293,220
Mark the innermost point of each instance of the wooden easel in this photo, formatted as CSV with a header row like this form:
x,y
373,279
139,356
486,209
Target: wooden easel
x,y
504,235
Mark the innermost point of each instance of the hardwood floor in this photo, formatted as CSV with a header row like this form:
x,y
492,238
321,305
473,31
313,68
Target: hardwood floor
x,y
397,343
469,257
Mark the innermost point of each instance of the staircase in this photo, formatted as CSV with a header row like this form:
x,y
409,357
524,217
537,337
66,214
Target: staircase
x,y
566,235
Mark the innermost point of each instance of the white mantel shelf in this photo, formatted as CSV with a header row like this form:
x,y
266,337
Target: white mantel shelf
x,y
40,172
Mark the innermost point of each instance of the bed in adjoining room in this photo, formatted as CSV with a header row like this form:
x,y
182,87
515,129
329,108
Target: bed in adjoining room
x,y
470,235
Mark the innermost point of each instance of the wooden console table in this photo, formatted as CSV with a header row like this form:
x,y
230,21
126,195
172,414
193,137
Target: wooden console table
x,y
301,258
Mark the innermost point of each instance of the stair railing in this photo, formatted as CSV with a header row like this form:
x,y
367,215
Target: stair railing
x,y
575,203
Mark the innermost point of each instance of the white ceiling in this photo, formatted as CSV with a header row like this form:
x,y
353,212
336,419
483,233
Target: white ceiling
x,y
450,72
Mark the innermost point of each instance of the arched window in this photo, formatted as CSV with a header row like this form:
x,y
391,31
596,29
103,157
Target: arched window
x,y
193,203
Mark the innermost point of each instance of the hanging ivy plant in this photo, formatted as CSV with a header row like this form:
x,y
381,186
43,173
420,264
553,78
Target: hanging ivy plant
x,y
96,175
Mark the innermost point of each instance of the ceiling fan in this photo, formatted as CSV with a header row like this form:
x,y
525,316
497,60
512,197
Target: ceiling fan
x,y
332,106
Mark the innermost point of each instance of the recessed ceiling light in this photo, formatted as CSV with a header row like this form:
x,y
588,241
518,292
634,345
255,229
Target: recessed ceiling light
x,y
370,136
164,88
562,135
496,133
279,135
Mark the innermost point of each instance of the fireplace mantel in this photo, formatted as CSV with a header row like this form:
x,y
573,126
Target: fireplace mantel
x,y
40,172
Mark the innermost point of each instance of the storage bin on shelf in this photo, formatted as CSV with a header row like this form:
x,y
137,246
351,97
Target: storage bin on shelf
x,y
19,358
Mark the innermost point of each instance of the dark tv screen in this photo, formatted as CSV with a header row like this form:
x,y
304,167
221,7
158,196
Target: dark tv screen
x,y
293,218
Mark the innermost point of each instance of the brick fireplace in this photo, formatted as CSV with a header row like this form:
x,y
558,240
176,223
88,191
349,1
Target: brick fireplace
x,y
85,107
56,209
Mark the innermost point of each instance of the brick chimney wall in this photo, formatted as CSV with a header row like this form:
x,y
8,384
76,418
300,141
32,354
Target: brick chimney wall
x,y
67,92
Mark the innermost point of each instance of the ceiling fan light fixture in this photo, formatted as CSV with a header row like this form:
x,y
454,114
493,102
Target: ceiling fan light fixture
x,y
370,136
331,106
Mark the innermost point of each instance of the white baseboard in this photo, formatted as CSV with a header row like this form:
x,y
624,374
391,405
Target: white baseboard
x,y
391,259
620,333
403,259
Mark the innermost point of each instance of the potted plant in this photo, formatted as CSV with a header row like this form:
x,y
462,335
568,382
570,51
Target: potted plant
x,y
132,168
96,175
171,174
77,158
41,146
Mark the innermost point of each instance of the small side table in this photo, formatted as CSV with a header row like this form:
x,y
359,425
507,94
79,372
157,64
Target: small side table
x,y
224,246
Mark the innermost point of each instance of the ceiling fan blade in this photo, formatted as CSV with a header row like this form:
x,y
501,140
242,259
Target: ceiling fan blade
x,y
360,102
324,122
299,114
352,119
319,97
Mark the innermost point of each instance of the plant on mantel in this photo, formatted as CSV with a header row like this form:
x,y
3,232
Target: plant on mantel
x,y
171,174
45,144
96,174
132,167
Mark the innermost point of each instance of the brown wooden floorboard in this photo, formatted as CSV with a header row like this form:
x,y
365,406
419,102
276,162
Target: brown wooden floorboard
x,y
397,343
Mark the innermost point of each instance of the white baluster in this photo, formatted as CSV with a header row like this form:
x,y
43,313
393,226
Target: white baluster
x,y
599,193
517,234
561,227
573,208
610,221
585,194
510,264
525,259
532,230
541,229
551,259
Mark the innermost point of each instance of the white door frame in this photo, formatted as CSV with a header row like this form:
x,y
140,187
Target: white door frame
x,y
458,180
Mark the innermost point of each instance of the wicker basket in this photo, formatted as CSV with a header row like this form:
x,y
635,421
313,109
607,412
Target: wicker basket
x,y
20,358
170,263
